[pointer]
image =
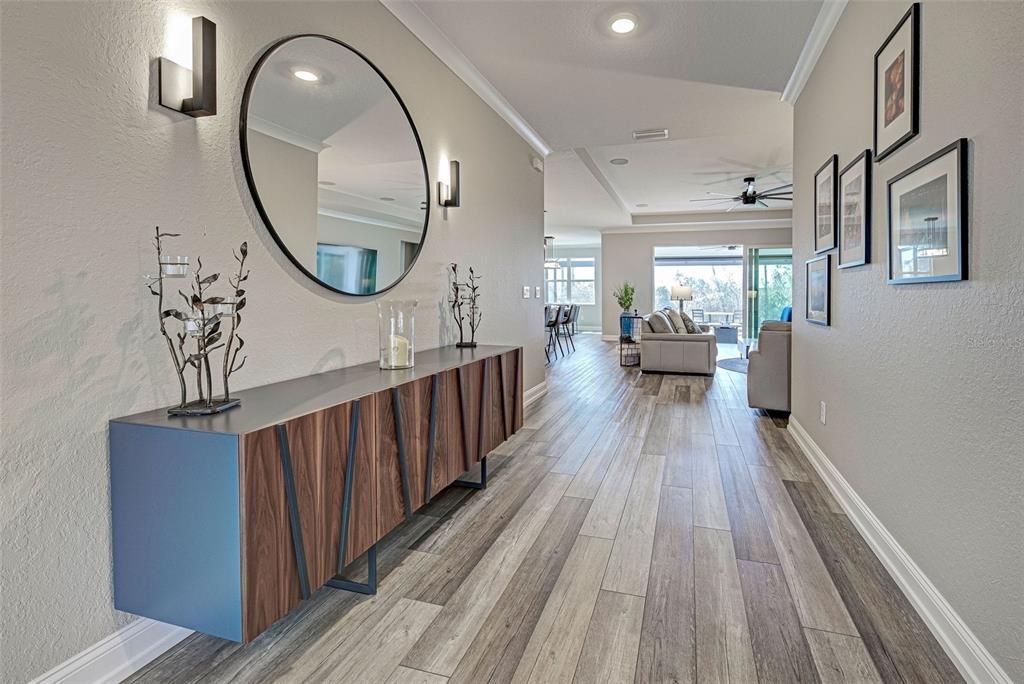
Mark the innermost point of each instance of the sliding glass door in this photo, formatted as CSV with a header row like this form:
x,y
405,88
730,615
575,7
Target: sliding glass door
x,y
769,286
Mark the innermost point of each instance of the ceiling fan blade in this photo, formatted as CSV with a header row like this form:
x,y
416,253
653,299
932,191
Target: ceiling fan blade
x,y
720,194
715,199
732,207
777,188
788,198
762,204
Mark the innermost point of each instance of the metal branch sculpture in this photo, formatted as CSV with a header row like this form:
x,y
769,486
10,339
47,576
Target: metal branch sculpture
x,y
156,287
200,320
231,363
462,294
475,315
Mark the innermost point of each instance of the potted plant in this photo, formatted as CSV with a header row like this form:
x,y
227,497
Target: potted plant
x,y
624,296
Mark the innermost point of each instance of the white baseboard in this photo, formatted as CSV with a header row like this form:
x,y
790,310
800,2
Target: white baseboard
x,y
117,656
534,393
969,655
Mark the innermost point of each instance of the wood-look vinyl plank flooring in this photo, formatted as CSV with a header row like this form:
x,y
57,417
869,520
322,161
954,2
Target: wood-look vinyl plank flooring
x,y
640,528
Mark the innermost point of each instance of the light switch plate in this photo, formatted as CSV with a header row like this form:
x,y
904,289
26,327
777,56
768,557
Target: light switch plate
x,y
536,292
526,291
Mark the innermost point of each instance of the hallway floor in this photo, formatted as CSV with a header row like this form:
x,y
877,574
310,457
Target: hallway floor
x,y
646,528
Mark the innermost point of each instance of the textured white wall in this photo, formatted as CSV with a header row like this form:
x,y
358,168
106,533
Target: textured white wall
x,y
630,256
925,382
90,164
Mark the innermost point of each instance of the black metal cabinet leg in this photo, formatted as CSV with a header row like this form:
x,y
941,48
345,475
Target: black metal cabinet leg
x,y
482,484
370,587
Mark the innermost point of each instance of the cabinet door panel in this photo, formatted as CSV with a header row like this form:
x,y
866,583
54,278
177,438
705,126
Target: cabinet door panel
x,y
362,530
414,402
268,556
450,458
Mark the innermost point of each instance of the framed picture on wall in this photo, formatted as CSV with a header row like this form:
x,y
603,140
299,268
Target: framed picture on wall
x,y
818,290
898,85
825,190
927,207
855,212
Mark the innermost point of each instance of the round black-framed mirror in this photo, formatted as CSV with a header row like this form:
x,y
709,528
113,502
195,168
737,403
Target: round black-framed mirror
x,y
335,164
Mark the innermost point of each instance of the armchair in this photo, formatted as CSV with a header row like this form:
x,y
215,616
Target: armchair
x,y
768,371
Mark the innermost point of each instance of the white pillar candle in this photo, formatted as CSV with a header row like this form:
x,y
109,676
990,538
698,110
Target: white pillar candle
x,y
398,351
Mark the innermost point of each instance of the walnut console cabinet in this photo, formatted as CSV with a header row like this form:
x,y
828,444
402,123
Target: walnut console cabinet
x,y
223,524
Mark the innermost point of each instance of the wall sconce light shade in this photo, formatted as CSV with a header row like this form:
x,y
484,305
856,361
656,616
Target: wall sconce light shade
x,y
198,97
449,194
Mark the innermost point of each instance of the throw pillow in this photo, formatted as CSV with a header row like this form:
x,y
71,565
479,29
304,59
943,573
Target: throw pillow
x,y
683,323
691,326
675,319
660,323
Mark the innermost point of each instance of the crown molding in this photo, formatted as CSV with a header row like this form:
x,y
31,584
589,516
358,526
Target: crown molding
x,y
773,216
421,26
368,220
261,125
817,39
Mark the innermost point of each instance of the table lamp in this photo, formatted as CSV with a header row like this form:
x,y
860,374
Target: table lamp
x,y
682,293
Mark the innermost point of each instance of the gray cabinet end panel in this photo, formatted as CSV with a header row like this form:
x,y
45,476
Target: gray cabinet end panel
x,y
176,527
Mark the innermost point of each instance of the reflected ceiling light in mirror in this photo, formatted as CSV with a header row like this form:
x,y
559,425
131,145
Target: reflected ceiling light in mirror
x,y
187,85
305,75
623,23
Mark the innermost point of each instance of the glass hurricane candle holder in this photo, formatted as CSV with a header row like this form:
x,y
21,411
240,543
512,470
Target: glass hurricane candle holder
x,y
224,309
396,325
174,266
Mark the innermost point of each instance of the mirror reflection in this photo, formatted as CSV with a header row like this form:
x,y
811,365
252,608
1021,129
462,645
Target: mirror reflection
x,y
335,165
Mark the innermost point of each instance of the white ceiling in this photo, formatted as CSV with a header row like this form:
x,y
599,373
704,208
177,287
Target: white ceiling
x,y
710,72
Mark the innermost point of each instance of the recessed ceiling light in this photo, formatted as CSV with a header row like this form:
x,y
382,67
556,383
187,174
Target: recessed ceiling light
x,y
623,23
305,75
618,161
327,183
386,199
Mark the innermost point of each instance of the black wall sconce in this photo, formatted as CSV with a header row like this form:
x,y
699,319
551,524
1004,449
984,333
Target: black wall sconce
x,y
198,98
449,194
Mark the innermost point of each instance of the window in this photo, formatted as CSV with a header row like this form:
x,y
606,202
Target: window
x,y
573,282
716,283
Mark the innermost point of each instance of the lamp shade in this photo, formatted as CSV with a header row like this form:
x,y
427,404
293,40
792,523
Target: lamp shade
x,y
682,292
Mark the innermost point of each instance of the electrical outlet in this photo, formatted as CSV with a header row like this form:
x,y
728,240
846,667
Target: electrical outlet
x,y
821,412
526,291
536,292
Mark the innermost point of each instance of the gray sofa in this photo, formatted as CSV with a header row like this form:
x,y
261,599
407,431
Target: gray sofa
x,y
677,352
769,367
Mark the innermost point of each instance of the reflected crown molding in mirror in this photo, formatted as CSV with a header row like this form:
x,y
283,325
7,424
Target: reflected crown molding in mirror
x,y
335,164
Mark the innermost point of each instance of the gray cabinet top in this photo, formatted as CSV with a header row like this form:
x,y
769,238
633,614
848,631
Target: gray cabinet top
x,y
282,401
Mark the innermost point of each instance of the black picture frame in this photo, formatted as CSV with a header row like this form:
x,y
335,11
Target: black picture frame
x,y
827,321
960,148
251,181
832,166
913,15
864,160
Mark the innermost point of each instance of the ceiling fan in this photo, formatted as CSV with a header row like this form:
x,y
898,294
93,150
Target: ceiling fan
x,y
751,195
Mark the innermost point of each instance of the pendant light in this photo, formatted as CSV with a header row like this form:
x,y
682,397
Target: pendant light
x,y
549,260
